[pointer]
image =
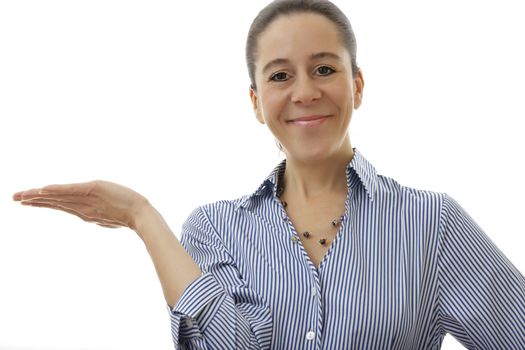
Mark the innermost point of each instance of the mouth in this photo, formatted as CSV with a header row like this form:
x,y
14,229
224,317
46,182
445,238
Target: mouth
x,y
308,121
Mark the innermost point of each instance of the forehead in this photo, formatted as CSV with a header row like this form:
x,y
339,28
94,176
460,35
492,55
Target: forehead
x,y
299,35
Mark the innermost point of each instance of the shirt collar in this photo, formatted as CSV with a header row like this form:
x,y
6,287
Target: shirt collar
x,y
359,165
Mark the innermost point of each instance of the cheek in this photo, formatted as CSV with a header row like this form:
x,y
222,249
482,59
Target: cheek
x,y
342,95
273,106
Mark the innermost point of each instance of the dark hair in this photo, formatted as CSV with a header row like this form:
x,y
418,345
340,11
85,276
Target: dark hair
x,y
287,7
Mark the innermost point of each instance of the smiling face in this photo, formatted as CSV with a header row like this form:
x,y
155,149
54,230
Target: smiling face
x,y
305,89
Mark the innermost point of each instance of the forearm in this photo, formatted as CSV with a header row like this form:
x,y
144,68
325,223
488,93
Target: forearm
x,y
175,267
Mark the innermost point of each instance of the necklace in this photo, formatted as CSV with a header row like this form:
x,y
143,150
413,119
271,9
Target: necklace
x,y
307,234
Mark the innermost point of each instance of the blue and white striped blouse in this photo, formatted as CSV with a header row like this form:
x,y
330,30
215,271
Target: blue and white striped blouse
x,y
406,267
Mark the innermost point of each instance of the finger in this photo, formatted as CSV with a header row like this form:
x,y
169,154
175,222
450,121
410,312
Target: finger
x,y
108,226
31,194
75,211
80,214
56,207
86,210
83,210
22,194
52,198
82,188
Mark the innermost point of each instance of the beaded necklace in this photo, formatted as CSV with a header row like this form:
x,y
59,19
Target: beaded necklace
x,y
307,234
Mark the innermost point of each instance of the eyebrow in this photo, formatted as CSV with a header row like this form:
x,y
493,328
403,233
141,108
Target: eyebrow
x,y
314,56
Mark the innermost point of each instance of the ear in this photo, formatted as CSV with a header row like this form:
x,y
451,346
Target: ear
x,y
359,84
255,104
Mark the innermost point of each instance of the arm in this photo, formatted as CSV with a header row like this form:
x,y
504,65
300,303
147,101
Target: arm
x,y
214,310
175,267
482,295
218,310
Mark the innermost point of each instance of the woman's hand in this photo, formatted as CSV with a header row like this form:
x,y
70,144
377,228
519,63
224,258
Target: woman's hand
x,y
105,203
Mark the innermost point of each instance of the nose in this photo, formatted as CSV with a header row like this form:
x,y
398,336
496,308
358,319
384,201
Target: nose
x,y
305,90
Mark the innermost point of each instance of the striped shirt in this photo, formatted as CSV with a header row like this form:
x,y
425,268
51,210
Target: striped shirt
x,y
407,267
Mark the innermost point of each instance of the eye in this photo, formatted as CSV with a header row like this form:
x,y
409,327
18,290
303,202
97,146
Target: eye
x,y
325,70
279,76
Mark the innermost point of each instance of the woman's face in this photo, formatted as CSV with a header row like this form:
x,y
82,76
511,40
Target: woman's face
x,y
305,89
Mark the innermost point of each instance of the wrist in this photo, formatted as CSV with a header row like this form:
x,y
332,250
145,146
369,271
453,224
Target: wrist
x,y
140,212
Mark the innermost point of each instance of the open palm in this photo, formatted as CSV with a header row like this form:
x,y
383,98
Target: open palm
x,y
105,203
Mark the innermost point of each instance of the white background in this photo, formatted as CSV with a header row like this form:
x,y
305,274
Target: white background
x,y
154,95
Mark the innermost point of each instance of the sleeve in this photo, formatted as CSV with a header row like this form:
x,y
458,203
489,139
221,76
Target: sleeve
x,y
217,310
481,293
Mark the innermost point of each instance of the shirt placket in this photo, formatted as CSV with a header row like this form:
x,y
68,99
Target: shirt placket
x,y
312,334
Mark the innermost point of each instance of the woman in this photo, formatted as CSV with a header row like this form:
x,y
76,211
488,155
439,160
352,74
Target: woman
x,y
326,253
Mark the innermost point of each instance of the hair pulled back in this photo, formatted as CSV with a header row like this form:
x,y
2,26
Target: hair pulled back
x,y
279,8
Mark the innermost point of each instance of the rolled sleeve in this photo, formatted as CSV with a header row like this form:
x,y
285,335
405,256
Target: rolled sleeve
x,y
197,295
217,310
200,293
482,294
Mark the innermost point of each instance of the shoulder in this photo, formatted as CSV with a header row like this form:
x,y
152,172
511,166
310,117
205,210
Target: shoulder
x,y
220,210
224,205
418,210
416,202
388,186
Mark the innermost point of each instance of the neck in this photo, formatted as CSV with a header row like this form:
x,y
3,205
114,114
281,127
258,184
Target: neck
x,y
309,180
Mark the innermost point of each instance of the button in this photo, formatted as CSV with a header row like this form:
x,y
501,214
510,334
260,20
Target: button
x,y
189,323
294,238
310,335
314,291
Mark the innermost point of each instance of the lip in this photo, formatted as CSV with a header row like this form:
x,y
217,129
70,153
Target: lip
x,y
310,120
